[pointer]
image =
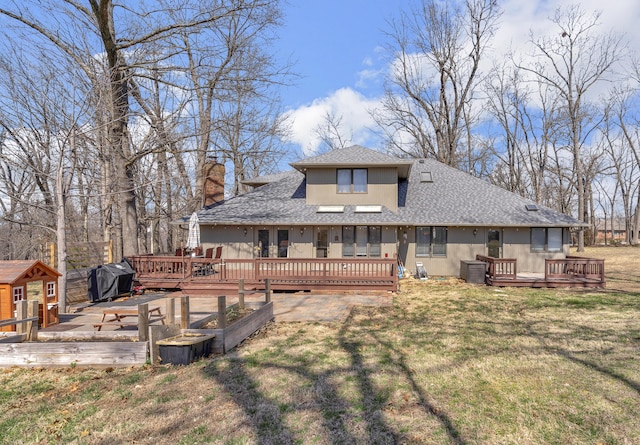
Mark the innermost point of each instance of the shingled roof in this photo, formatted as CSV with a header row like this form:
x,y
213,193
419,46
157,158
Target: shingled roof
x,y
450,198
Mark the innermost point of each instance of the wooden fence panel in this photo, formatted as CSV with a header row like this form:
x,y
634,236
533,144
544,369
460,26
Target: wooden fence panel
x,y
80,255
74,354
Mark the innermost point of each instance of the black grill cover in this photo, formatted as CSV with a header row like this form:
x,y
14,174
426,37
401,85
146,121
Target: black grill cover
x,y
110,280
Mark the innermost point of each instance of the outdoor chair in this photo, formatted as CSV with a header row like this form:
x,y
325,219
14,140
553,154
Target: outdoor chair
x,y
181,252
209,252
208,269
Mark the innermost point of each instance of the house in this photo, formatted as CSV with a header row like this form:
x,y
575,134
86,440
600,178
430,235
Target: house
x,y
360,203
28,280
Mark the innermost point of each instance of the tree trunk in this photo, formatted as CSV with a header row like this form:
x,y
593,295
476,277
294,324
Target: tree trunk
x,y
61,232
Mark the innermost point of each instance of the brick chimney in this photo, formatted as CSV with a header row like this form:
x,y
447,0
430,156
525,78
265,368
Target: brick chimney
x,y
213,185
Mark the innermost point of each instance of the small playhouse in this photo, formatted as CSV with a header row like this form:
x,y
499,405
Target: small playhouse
x,y
28,280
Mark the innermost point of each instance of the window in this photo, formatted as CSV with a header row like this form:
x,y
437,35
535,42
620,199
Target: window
x,y
431,241
18,294
352,180
263,243
348,241
361,241
538,239
546,239
51,289
423,241
439,243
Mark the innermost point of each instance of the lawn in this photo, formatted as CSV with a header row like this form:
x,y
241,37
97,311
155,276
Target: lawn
x,y
449,363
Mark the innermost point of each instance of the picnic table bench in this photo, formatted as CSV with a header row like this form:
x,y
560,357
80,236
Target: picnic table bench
x,y
118,314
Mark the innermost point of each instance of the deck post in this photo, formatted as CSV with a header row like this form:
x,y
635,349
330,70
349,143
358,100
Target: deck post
x,y
241,293
32,326
267,290
185,322
21,314
171,310
222,312
143,322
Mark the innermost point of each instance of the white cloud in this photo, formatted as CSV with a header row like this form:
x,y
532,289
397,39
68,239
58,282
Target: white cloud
x,y
347,105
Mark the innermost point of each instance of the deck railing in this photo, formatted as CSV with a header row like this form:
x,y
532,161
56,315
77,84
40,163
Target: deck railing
x,y
154,268
573,266
499,267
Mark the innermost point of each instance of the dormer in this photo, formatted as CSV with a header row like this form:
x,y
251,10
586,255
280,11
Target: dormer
x,y
353,176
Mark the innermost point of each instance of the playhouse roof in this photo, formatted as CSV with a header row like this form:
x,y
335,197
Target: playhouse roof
x,y
13,271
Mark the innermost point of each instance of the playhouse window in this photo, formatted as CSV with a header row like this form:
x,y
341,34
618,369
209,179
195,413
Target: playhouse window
x,y
51,289
18,294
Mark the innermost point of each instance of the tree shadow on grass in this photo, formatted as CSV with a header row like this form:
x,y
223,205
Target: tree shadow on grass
x,y
403,369
345,414
266,414
546,343
263,413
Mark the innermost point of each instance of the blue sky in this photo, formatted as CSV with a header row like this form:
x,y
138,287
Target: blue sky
x,y
332,41
336,45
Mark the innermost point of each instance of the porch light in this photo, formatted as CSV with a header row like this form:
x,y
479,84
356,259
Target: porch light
x,y
244,231
475,232
301,231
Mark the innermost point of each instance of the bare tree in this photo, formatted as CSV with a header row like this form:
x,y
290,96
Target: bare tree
x,y
40,121
528,122
572,62
230,74
116,47
622,142
331,133
437,50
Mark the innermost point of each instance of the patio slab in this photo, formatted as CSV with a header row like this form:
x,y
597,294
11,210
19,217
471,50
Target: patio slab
x,y
288,307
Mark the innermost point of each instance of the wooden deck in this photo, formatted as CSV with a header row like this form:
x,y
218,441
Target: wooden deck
x,y
571,272
207,276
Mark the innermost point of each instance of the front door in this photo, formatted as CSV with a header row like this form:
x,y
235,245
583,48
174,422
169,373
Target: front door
x,y
494,243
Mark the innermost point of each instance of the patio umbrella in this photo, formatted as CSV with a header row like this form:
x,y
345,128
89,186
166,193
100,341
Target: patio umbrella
x,y
193,240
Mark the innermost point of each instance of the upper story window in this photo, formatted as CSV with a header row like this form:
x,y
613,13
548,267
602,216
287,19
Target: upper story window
x,y
352,180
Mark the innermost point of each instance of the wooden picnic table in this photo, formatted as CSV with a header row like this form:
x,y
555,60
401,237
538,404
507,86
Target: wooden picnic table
x,y
117,315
